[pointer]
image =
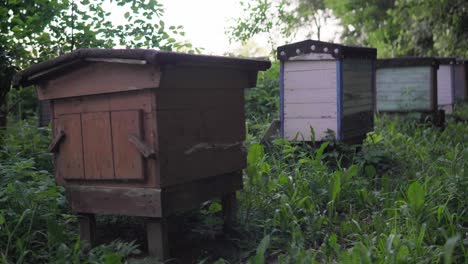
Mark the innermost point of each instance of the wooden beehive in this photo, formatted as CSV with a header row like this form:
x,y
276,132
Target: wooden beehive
x,y
145,132
461,80
44,113
407,85
446,84
326,87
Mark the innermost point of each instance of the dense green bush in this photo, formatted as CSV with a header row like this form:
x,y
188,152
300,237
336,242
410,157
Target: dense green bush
x,y
35,225
402,200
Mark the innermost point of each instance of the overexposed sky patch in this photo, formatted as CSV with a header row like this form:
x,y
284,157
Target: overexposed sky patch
x,y
205,23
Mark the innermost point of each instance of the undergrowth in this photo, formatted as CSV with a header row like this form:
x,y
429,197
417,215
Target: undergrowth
x,y
401,197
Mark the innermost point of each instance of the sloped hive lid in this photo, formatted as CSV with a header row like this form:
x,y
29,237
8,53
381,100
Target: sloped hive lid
x,y
337,51
407,62
446,60
133,56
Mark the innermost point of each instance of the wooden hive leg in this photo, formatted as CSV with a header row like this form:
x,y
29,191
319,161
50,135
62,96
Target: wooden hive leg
x,y
87,228
158,243
229,204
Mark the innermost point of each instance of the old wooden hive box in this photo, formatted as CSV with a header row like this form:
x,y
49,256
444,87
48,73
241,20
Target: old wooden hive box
x,y
407,85
145,132
328,89
461,80
446,84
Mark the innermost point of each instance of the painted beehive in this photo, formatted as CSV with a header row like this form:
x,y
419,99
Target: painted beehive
x,y
446,84
326,87
145,132
461,80
407,84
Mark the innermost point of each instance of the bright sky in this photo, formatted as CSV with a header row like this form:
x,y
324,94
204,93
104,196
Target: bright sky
x,y
205,23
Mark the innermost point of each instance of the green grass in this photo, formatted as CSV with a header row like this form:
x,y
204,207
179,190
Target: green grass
x,y
400,198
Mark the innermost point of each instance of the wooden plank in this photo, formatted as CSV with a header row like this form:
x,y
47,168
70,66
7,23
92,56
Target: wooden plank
x,y
460,82
404,91
100,78
69,159
87,224
444,85
301,66
357,109
229,204
310,80
403,75
114,200
97,146
310,110
187,196
143,100
203,78
186,163
310,96
157,236
128,162
300,128
198,98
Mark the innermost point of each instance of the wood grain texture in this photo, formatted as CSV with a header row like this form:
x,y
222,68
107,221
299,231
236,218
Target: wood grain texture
x,y
114,200
445,85
144,100
188,196
69,159
310,98
198,122
100,78
128,162
97,146
203,78
321,65
310,110
157,236
300,128
404,89
357,119
461,82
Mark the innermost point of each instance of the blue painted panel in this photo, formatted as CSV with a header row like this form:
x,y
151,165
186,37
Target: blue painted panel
x,y
339,94
282,99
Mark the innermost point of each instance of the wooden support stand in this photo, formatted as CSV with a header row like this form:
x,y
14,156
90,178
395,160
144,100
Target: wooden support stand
x,y
229,204
158,243
87,228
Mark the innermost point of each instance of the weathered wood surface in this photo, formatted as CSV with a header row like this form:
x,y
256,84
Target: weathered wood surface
x,y
210,113
87,224
358,93
100,78
97,146
115,200
404,89
188,196
131,113
128,163
151,202
157,236
310,99
461,82
445,86
229,205
58,138
69,160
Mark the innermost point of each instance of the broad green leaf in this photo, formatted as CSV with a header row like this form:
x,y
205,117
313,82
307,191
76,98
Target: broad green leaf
x,y
416,195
